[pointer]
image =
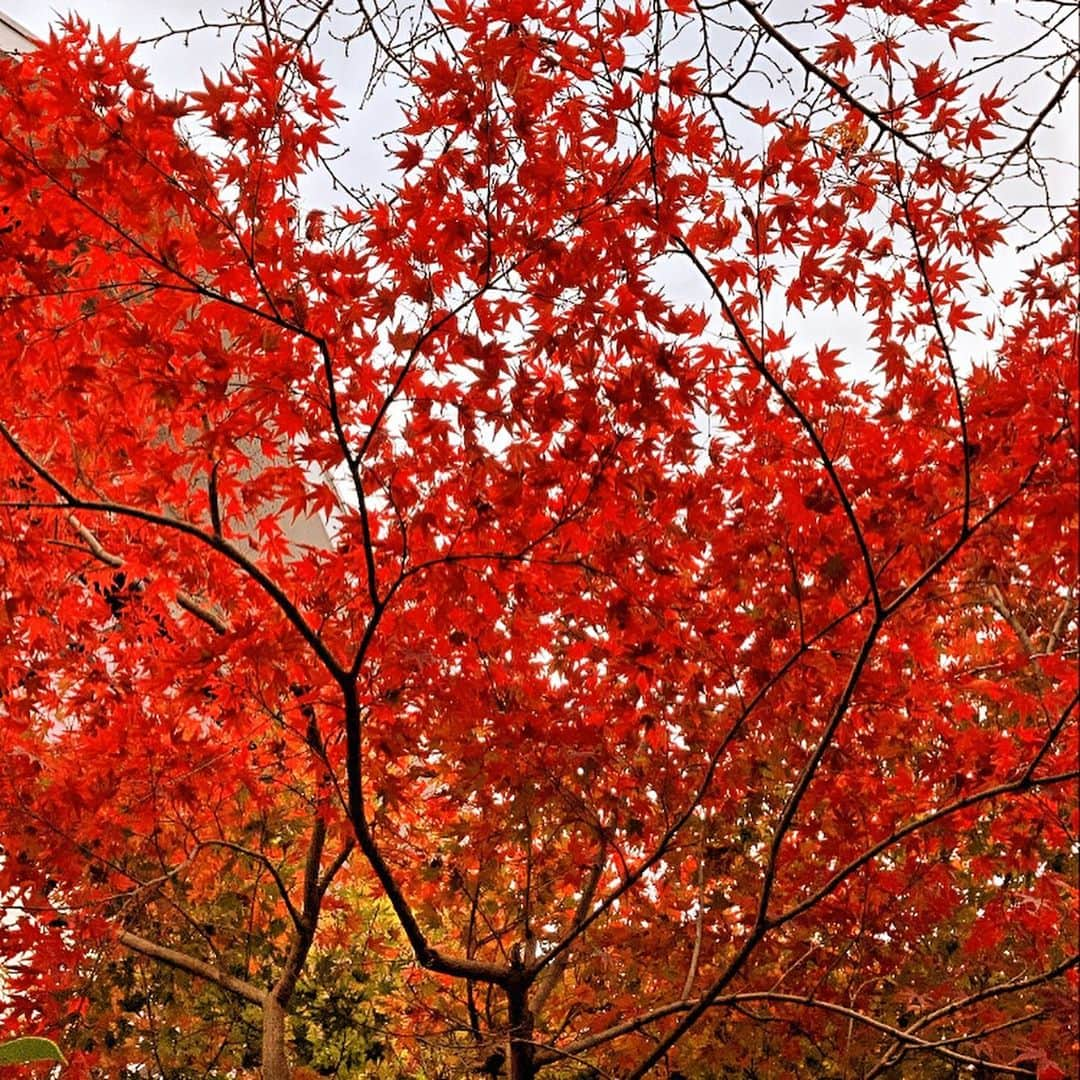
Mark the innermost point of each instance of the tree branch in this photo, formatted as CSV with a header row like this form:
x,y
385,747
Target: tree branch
x,y
1023,783
550,1055
71,501
182,962
939,330
759,365
184,599
1014,985
632,877
1055,99
426,955
833,84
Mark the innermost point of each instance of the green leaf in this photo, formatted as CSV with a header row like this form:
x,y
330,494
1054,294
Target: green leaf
x,y
29,1048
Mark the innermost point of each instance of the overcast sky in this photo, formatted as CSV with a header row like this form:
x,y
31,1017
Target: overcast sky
x,y
134,18
174,66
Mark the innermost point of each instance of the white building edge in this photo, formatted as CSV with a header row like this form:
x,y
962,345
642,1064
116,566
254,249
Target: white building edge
x,y
14,36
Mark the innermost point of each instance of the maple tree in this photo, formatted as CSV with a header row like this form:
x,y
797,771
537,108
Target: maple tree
x,y
679,685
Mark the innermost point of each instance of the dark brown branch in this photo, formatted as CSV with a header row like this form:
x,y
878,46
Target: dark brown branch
x,y
1055,100
352,461
833,84
426,955
939,330
186,528
1023,783
554,973
943,1047
631,877
1050,739
1010,986
762,924
947,555
759,365
305,921
264,861
791,806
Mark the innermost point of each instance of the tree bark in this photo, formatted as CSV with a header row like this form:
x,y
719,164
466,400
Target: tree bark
x,y
522,1050
193,966
275,1064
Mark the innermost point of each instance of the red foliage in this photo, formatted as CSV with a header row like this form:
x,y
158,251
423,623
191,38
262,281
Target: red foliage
x,y
661,662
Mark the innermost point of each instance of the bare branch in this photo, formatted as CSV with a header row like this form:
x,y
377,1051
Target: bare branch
x,y
182,962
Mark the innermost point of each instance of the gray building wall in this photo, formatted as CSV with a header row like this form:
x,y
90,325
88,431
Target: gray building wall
x,y
13,36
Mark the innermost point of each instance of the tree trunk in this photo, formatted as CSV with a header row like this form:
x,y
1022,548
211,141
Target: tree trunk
x,y
522,1051
275,1065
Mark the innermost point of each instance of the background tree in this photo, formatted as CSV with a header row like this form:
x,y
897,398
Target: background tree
x,y
695,692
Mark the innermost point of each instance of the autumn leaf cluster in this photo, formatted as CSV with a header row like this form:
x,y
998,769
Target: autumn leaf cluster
x,y
495,604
